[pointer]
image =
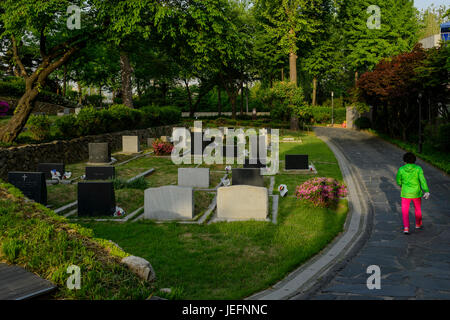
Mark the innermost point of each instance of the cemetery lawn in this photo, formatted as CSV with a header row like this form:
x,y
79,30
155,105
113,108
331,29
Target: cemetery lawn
x,y
234,260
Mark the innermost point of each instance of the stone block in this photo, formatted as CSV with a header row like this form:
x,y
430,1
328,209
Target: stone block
x,y
130,144
242,203
193,177
169,203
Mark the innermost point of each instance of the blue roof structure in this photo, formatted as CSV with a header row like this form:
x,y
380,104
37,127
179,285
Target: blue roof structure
x,y
445,31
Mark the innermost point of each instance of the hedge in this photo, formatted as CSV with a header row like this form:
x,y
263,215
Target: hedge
x,y
322,115
44,243
16,88
91,121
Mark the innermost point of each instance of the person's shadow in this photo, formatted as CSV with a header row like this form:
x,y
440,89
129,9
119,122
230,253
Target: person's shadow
x,y
391,190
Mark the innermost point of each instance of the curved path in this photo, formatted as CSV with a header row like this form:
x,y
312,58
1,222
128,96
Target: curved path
x,y
415,266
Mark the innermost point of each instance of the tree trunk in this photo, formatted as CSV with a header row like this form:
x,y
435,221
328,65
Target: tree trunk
x,y
65,81
293,78
314,95
14,127
233,105
242,98
282,74
191,107
80,92
356,78
127,91
219,101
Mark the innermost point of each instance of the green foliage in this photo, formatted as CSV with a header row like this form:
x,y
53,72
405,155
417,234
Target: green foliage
x,y
140,184
286,98
444,137
94,100
36,238
363,123
39,127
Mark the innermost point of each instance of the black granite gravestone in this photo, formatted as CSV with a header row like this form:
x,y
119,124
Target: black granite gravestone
x,y
296,162
32,185
99,153
253,163
47,167
249,177
96,199
100,173
230,151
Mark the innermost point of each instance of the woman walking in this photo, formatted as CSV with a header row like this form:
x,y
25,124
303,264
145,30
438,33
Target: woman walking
x,y
412,181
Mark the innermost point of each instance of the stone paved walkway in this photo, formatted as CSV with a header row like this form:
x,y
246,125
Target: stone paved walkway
x,y
415,266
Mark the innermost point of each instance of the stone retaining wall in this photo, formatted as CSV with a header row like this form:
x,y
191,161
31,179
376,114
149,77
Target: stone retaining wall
x,y
26,158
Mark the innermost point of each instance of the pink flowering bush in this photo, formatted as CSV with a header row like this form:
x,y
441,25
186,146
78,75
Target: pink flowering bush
x,y
323,192
162,148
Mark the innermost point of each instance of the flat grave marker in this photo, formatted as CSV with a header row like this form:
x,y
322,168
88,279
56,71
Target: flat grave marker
x,y
32,185
169,203
296,162
242,203
247,176
96,199
193,177
100,173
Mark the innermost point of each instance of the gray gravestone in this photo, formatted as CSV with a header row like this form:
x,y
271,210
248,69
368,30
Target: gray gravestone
x,y
46,168
99,153
96,199
242,203
150,142
100,173
249,177
169,203
296,162
32,185
193,177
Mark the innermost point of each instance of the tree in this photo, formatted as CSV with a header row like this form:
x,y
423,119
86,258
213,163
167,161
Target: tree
x,y
44,24
365,46
293,23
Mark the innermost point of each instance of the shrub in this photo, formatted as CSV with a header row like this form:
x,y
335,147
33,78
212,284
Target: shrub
x,y
94,100
4,108
39,127
66,127
363,123
444,137
162,148
322,192
286,98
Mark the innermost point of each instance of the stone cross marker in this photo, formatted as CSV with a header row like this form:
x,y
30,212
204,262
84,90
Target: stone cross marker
x,y
296,162
242,203
46,168
96,199
99,153
100,173
169,203
32,185
193,177
130,144
249,177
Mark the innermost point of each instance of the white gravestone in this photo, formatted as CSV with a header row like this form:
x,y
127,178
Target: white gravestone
x,y
193,177
130,144
242,202
169,203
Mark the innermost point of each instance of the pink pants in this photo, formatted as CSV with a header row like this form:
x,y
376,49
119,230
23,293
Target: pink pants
x,y
405,211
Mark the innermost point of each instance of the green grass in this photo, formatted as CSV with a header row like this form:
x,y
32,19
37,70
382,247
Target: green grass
x,y
429,154
43,243
234,260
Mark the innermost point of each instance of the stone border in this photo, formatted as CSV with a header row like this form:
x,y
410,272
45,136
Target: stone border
x,y
309,277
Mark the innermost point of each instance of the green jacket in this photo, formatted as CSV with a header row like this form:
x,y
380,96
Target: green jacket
x,y
410,177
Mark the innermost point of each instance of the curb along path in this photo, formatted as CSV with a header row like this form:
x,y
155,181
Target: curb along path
x,y
319,268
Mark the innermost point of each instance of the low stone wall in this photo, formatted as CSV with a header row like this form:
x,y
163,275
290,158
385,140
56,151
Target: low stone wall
x,y
39,107
26,158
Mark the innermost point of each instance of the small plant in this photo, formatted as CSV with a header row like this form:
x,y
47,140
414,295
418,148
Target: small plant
x,y
4,108
162,148
39,127
11,249
322,192
139,183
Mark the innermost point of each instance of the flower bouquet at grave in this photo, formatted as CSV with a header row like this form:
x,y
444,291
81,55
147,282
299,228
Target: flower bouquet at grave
x,y
322,192
162,148
4,108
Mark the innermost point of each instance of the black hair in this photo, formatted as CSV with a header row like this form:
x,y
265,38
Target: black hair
x,y
409,157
